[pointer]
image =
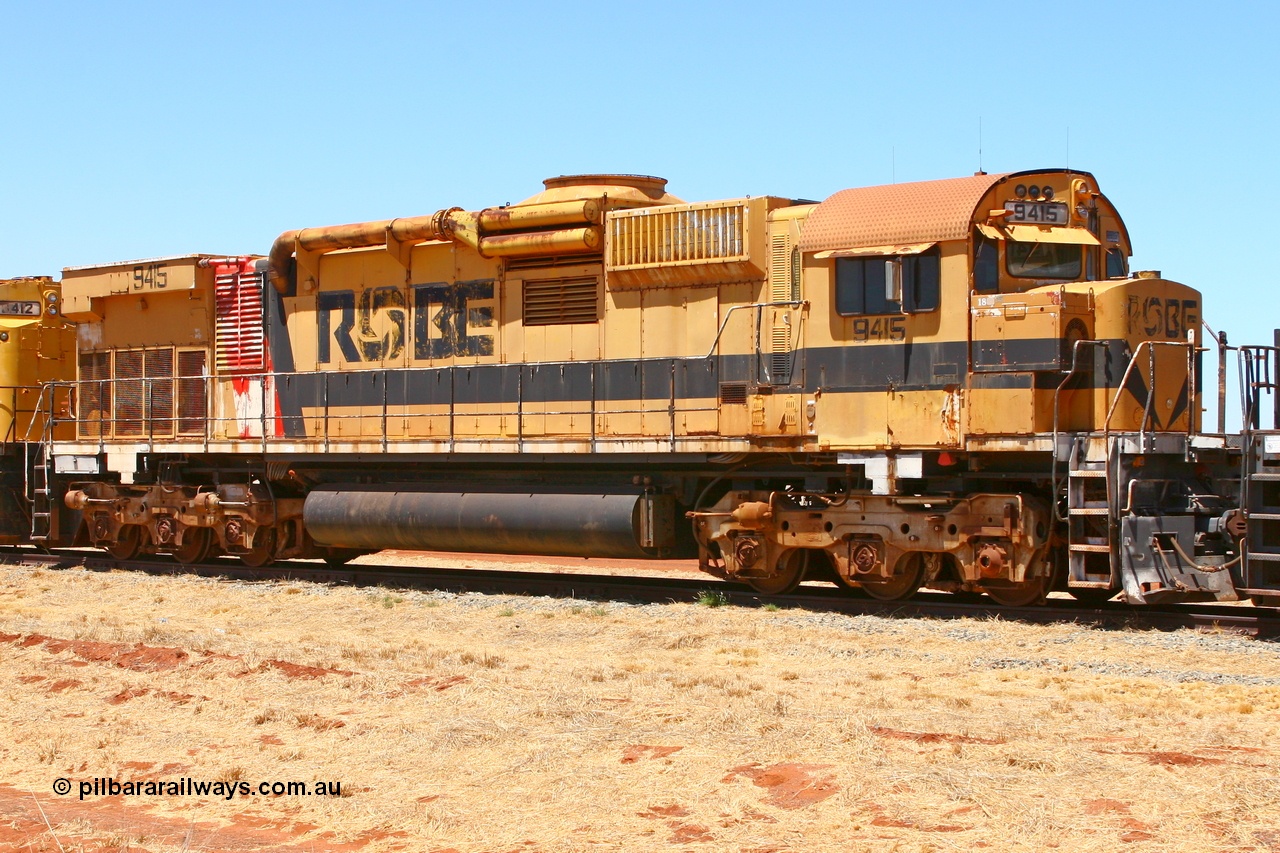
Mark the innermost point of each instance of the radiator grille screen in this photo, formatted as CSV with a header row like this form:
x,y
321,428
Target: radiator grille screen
x,y
193,407
129,393
690,234
158,369
95,393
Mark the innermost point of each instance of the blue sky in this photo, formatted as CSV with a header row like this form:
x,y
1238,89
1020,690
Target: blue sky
x,y
143,129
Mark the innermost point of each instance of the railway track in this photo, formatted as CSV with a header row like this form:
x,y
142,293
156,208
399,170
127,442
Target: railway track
x,y
1261,622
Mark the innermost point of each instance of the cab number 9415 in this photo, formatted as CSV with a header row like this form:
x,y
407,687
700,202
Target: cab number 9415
x,y
1039,212
880,329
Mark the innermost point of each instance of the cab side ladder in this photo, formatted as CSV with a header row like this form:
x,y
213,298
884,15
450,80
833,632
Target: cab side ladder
x,y
1089,544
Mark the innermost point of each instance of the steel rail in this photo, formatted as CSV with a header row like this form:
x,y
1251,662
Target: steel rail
x,y
1260,622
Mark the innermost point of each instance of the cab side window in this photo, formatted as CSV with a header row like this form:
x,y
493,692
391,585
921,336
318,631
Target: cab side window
x,y
986,264
888,285
860,286
1117,265
922,282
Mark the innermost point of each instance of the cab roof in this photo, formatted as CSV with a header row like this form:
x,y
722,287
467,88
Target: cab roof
x,y
918,212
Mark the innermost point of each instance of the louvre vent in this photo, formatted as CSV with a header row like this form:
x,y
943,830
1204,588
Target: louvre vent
x,y
94,393
779,365
781,289
561,300
536,263
733,393
193,406
780,268
240,343
689,234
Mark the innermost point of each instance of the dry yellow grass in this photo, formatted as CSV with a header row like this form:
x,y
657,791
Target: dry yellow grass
x,y
484,723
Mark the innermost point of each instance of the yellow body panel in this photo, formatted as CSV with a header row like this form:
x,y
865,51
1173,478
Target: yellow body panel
x,y
37,346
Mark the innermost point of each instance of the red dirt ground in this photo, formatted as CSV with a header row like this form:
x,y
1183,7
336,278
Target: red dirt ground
x,y
633,753
145,659
45,824
932,737
790,786
136,656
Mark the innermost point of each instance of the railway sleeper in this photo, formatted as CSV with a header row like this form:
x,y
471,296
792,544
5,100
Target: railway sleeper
x,y
192,522
887,546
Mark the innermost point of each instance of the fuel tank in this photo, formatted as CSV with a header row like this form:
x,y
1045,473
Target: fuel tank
x,y
568,525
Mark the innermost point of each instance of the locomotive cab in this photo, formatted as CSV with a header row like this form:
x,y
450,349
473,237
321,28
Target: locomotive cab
x,y
36,347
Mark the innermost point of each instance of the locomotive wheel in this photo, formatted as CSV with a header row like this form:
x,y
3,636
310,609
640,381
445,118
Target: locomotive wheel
x,y
1022,594
197,543
907,577
263,552
128,543
792,568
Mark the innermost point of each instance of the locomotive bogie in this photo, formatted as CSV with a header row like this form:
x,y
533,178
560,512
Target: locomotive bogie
x,y
988,540
191,521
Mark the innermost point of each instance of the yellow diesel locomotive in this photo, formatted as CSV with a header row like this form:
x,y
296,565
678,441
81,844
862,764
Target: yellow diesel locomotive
x,y
954,383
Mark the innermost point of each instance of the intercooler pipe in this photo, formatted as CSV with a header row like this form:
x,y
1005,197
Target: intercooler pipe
x,y
569,525
473,229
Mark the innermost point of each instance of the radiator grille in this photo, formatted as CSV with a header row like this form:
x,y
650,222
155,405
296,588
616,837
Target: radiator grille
x,y
94,393
689,234
561,300
158,369
193,406
240,343
129,392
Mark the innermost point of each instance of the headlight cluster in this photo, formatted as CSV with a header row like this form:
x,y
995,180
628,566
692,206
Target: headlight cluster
x,y
1044,193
